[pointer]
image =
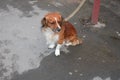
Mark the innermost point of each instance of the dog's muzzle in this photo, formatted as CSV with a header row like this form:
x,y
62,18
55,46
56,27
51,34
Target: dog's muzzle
x,y
57,29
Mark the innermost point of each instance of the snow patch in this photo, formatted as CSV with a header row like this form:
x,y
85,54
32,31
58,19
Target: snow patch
x,y
21,42
99,78
99,25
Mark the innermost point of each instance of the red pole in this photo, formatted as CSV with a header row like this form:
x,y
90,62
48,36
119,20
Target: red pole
x,y
95,11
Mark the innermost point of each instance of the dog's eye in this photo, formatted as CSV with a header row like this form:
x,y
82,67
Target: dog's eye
x,y
59,22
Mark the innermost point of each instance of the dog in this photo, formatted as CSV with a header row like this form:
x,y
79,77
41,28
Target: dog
x,y
59,32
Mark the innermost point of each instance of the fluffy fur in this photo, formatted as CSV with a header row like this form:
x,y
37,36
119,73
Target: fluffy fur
x,y
59,32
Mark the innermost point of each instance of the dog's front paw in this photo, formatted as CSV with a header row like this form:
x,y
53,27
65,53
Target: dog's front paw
x,y
57,52
51,46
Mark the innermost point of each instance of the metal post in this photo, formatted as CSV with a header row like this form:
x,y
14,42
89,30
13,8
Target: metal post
x,y
95,11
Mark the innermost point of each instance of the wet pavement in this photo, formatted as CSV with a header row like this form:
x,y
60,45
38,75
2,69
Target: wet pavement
x,y
24,54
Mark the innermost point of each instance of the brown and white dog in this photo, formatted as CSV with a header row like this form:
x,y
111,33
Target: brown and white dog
x,y
60,32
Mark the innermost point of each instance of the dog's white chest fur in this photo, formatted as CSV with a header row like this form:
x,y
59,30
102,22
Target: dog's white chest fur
x,y
51,37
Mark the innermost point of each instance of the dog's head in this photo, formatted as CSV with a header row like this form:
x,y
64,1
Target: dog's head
x,y
52,20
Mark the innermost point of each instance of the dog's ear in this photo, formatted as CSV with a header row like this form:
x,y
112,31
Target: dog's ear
x,y
43,22
62,21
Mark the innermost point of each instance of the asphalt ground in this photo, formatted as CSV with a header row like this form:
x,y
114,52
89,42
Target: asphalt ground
x,y
23,50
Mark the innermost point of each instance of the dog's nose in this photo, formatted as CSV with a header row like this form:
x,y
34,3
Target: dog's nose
x,y
58,29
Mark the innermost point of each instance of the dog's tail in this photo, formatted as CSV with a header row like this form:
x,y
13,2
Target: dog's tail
x,y
77,41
